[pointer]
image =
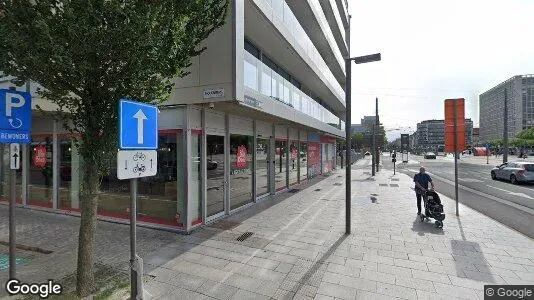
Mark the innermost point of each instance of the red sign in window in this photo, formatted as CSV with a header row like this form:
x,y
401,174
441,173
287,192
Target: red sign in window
x,y
39,156
241,157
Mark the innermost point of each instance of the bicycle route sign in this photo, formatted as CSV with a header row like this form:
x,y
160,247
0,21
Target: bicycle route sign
x,y
138,140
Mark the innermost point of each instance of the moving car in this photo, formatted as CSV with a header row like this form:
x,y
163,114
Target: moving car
x,y
516,172
430,155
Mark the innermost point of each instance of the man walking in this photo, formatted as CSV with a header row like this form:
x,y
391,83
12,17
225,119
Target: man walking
x,y
421,180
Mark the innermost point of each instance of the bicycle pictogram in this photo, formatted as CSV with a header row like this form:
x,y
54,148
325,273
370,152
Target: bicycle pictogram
x,y
139,169
139,156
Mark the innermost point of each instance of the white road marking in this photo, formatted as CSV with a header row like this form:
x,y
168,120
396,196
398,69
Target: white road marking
x,y
512,193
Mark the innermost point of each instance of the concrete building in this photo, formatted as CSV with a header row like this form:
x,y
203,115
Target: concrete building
x,y
430,135
519,90
259,113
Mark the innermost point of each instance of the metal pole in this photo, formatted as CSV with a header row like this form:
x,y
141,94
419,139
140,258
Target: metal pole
x,y
373,151
455,158
377,126
487,156
348,158
12,231
505,133
136,264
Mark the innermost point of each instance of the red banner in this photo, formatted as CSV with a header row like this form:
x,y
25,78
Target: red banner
x,y
454,109
39,156
314,153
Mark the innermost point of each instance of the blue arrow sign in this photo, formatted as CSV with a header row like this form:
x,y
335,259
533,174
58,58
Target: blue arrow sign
x,y
138,125
15,116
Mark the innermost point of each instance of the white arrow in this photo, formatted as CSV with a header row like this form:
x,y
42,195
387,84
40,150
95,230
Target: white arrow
x,y
140,116
512,193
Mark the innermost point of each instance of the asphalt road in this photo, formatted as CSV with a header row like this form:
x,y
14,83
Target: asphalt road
x,y
512,205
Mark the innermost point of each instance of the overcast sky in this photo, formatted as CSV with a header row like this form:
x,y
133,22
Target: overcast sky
x,y
434,50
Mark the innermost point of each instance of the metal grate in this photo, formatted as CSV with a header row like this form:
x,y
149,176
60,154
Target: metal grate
x,y
374,194
338,183
394,185
383,184
318,190
244,236
293,191
394,179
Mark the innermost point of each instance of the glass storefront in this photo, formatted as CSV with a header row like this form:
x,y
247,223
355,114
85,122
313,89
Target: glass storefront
x,y
215,174
314,159
303,159
262,166
40,189
196,178
70,175
280,176
293,163
240,170
324,158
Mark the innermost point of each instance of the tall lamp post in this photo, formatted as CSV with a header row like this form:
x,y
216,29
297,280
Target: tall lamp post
x,y
348,160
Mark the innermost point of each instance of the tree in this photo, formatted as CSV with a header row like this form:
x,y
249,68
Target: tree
x,y
357,140
88,54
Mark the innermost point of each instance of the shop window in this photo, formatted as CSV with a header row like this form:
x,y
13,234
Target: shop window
x,y
240,170
158,196
262,166
70,174
280,175
40,182
195,187
293,163
303,160
314,159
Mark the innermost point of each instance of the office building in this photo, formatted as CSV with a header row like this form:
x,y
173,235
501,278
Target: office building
x,y
519,93
259,113
430,135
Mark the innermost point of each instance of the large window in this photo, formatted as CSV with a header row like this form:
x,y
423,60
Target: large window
x,y
293,162
70,174
215,174
250,71
280,176
240,170
314,159
40,171
303,159
262,166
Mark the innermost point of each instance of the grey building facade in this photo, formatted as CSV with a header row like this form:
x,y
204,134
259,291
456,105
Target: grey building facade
x,y
430,135
519,92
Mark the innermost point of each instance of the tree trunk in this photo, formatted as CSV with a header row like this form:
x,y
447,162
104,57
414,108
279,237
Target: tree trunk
x,y
85,283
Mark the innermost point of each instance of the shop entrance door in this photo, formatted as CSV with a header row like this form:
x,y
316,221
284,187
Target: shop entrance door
x,y
263,167
216,176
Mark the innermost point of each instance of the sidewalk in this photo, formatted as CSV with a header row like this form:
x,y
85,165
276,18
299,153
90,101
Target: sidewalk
x,y
298,249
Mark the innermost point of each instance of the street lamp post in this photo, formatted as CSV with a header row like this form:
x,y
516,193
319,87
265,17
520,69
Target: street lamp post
x,y
348,159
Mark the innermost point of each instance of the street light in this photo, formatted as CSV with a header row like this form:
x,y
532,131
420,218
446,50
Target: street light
x,y
348,160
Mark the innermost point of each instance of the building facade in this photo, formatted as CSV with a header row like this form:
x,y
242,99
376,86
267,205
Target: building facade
x,y
430,135
259,113
519,92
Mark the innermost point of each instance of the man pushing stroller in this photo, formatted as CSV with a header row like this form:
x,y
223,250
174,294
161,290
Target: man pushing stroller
x,y
433,206
421,180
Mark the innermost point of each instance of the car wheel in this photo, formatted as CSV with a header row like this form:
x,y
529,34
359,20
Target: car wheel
x,y
513,180
493,176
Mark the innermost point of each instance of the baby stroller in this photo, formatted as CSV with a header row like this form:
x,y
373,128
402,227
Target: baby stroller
x,y
433,208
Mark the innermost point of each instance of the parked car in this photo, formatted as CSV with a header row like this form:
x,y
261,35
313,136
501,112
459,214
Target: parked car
x,y
516,172
430,155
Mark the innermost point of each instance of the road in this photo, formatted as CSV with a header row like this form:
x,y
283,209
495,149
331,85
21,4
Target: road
x,y
512,205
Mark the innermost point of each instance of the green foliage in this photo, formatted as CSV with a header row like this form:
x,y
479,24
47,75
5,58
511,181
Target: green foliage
x,y
526,134
87,54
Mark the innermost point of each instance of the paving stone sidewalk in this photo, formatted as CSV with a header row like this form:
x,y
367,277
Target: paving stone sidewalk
x,y
299,250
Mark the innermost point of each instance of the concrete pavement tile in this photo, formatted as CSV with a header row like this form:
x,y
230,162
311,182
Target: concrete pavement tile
x,y
396,291
411,264
463,265
336,291
180,293
400,271
415,283
391,241
343,270
424,295
361,264
200,270
334,259
220,253
263,263
496,271
425,259
366,295
308,254
517,281
291,259
529,276
516,260
277,248
466,282
521,254
204,260
254,271
307,290
284,268
457,292
528,268
282,294
378,259
440,255
446,269
156,289
393,254
435,277
217,290
323,297
247,295
378,246
359,283
484,277
377,276
332,277
404,249
509,266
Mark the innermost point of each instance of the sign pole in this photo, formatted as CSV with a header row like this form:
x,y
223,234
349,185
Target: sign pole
x,y
487,155
456,157
12,231
136,263
348,159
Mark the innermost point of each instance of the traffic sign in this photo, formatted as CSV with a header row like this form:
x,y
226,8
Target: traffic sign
x,y
14,156
15,116
136,163
138,125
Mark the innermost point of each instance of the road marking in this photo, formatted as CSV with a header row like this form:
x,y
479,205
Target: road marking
x,y
512,193
470,180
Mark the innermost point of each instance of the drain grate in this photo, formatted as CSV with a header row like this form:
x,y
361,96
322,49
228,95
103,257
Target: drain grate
x,y
383,184
394,185
338,183
318,190
244,236
293,191
394,179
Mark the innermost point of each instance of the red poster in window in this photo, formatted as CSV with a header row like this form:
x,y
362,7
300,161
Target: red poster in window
x,y
39,156
314,154
241,157
294,153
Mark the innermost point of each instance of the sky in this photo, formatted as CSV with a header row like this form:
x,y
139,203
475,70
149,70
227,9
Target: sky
x,y
432,51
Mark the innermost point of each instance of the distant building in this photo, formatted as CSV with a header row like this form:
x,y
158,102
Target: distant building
x,y
520,93
365,126
430,135
357,128
476,136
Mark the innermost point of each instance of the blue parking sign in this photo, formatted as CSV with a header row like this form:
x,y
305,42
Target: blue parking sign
x,y
138,125
15,116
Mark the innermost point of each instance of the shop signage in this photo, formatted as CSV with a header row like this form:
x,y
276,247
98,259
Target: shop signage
x,y
215,93
241,157
252,101
14,156
15,116
39,156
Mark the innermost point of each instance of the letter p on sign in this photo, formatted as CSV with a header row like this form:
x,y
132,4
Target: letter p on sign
x,y
13,100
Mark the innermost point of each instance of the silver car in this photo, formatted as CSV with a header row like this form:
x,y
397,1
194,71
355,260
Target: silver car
x,y
514,171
